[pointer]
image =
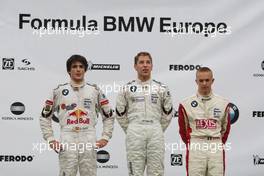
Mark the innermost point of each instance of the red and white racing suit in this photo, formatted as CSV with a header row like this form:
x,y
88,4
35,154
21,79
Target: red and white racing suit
x,y
77,109
204,125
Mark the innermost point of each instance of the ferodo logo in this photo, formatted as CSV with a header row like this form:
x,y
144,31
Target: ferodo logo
x,y
16,158
184,67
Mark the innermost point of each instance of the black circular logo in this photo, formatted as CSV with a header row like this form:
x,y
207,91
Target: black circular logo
x,y
233,113
17,108
65,92
262,65
103,156
194,103
133,88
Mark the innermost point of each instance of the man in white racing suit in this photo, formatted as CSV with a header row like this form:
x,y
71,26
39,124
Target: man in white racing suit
x,y
77,105
144,111
204,125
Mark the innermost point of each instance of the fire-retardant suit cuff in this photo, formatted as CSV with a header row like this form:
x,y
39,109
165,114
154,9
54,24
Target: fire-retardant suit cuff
x,y
50,139
106,137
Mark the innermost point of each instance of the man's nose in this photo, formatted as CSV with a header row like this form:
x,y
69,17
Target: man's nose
x,y
145,64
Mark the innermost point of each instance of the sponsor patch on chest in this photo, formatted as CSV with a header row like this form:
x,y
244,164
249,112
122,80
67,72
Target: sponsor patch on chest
x,y
216,113
154,98
78,121
206,123
138,99
87,103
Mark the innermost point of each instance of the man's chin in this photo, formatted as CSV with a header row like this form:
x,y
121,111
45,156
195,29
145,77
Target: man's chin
x,y
78,79
146,74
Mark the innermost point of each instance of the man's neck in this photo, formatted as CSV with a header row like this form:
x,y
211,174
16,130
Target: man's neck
x,y
78,83
204,94
143,78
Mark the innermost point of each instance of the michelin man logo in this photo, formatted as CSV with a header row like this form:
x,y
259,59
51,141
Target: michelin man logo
x,y
90,64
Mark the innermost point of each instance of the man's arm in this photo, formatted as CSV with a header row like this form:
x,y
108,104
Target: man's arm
x,y
46,122
121,110
182,117
225,125
45,119
107,118
167,109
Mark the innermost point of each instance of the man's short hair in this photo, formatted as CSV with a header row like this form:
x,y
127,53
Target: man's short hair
x,y
204,69
76,58
142,53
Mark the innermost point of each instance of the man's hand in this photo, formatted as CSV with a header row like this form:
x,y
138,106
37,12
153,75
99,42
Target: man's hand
x,y
101,143
55,145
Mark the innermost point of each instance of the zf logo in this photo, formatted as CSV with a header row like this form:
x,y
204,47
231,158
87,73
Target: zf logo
x,y
176,159
8,64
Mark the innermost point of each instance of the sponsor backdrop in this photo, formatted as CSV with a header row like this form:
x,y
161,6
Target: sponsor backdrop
x,y
38,37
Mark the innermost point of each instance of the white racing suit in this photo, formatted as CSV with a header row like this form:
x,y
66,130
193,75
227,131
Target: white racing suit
x,y
204,125
77,110
144,111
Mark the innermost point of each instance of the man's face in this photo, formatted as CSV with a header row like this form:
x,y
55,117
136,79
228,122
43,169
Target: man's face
x,y
77,71
204,81
143,66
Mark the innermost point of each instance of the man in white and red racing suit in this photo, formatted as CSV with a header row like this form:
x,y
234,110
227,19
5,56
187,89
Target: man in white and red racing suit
x,y
204,125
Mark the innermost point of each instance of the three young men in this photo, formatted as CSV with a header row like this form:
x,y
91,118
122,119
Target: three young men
x,y
144,110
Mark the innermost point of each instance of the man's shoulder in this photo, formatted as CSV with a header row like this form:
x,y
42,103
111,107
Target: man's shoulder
x,y
92,86
159,83
59,86
220,98
189,99
128,86
131,82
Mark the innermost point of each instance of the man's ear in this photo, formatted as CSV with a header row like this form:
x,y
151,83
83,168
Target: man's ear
x,y
135,67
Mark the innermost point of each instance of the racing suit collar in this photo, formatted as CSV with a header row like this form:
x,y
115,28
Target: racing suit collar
x,y
77,85
205,98
143,82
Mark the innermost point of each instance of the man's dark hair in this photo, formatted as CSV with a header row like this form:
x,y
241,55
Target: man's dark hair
x,y
142,53
75,58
